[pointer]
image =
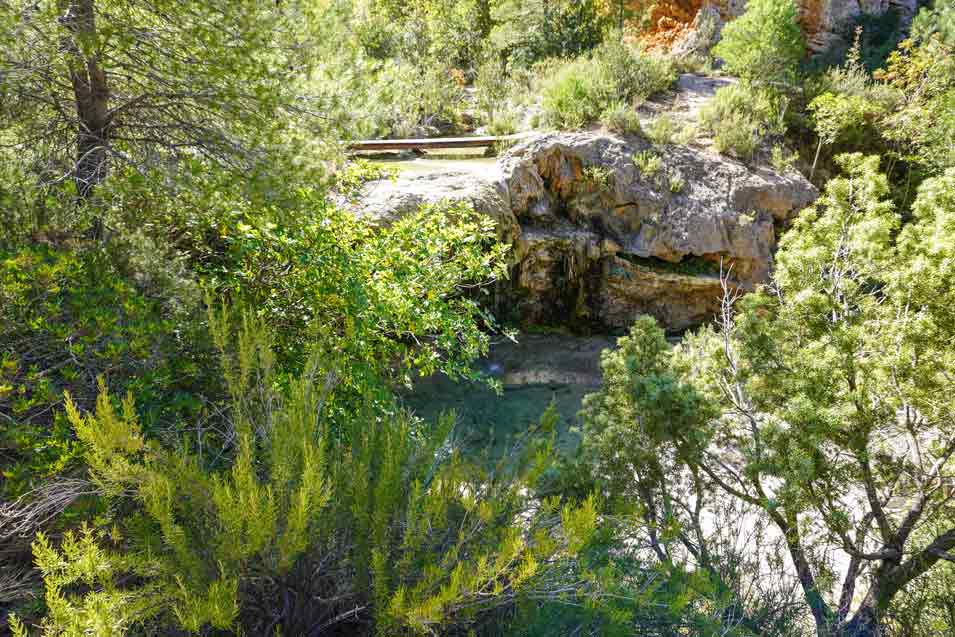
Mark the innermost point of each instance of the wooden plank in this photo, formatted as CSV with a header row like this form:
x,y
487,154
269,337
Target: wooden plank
x,y
432,143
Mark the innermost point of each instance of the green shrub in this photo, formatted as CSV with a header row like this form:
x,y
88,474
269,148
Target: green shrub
x,y
583,89
676,181
741,116
687,134
738,136
938,21
311,269
492,87
314,521
648,162
531,30
504,123
363,98
782,161
598,177
571,97
622,119
69,316
662,129
765,43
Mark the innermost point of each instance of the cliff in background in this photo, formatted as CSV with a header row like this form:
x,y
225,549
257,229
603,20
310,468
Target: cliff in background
x,y
823,21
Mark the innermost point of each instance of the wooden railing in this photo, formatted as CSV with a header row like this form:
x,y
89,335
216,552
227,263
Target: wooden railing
x,y
433,143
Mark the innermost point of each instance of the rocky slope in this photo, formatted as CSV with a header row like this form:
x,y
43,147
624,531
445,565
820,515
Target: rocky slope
x,y
598,239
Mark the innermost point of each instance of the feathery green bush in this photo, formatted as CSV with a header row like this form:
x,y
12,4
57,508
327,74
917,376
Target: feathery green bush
x,y
311,522
765,44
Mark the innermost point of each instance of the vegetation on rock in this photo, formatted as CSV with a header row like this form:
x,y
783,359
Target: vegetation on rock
x,y
207,329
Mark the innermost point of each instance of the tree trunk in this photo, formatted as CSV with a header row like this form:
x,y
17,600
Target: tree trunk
x,y
865,623
91,94
815,160
485,20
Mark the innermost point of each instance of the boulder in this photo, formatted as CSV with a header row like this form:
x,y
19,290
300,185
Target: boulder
x,y
598,240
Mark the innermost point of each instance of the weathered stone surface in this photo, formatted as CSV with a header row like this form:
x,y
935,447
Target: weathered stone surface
x,y
598,242
701,35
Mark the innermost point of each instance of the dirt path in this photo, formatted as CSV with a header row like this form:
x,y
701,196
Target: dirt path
x,y
684,103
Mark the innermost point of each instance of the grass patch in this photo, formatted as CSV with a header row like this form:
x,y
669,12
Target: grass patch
x,y
622,119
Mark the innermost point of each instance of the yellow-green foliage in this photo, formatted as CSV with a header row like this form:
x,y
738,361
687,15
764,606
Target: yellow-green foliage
x,y
375,512
662,129
621,118
109,608
648,162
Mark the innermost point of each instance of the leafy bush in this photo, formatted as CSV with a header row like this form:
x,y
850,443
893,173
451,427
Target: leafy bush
x,y
526,31
936,21
687,134
839,117
313,522
622,119
925,75
581,90
492,87
781,161
504,123
311,269
68,317
763,44
741,116
662,129
738,136
365,98
598,177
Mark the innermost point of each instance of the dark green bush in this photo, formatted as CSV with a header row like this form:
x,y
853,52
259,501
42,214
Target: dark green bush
x,y
765,44
527,31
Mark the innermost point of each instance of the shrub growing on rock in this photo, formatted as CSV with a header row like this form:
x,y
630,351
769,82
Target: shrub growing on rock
x,y
580,91
662,129
622,119
740,116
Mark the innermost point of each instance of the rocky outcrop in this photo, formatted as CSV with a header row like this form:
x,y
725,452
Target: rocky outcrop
x,y
599,238
677,24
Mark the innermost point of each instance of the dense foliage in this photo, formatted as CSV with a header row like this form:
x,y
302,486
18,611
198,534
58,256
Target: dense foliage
x,y
377,516
204,341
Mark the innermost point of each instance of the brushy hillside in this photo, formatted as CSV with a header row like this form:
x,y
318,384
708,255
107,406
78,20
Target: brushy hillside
x,y
203,355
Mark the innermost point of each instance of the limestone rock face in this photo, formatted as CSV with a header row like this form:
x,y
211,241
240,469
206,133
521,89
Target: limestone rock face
x,y
702,34
598,240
